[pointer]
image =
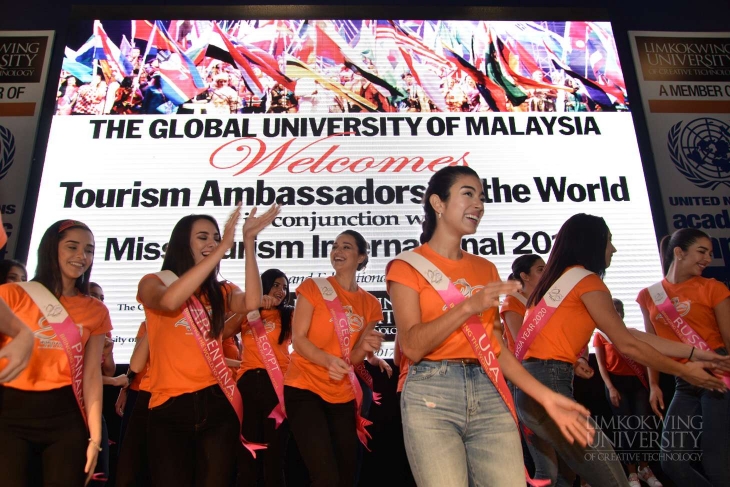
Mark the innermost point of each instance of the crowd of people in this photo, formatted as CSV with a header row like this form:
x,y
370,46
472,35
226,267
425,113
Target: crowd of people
x,y
226,93
221,377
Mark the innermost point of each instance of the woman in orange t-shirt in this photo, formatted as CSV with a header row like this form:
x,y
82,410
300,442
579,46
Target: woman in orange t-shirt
x,y
192,427
627,398
40,420
458,429
585,241
319,398
133,405
257,390
526,269
704,304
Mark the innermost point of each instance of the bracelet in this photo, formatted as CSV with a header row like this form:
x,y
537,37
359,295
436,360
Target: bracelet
x,y
130,375
96,445
691,353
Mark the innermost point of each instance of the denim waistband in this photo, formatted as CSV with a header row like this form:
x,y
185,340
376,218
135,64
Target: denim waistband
x,y
534,360
453,361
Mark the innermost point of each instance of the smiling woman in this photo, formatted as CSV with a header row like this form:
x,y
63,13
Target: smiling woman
x,y
60,392
333,329
195,410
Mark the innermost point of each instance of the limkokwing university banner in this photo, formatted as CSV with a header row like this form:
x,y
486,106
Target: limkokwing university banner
x,y
24,58
684,78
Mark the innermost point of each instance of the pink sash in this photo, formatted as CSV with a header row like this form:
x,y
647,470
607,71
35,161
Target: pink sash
x,y
636,368
197,317
67,332
474,331
195,314
342,330
268,357
679,326
536,320
363,373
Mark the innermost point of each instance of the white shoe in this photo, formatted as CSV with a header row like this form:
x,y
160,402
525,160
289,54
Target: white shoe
x,y
634,480
648,476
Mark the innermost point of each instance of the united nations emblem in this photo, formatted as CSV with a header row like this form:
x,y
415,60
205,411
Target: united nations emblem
x,y
7,150
701,151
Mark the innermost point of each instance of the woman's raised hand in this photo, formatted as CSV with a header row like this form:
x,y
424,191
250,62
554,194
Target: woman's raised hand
x,y
254,225
229,231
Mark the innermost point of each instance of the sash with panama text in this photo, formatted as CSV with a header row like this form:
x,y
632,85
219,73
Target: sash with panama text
x,y
637,368
474,331
342,330
536,319
679,326
266,352
66,331
197,317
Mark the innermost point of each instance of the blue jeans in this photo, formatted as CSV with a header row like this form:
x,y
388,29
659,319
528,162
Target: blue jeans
x,y
697,425
457,429
597,463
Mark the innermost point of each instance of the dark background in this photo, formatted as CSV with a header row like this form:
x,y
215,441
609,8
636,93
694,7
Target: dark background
x,y
384,466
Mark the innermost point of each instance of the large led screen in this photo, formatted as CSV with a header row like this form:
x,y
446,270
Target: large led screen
x,y
342,123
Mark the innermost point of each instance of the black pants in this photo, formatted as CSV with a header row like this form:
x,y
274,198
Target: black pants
x,y
126,415
326,436
132,465
259,398
42,428
193,440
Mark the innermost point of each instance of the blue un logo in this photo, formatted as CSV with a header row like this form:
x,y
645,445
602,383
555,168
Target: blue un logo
x,y
7,151
701,151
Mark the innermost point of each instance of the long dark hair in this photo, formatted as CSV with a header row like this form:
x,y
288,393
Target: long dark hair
x,y
683,239
285,308
440,185
582,240
6,265
48,271
522,264
179,259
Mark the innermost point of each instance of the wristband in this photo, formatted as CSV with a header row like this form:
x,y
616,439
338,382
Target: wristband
x,y
691,353
131,375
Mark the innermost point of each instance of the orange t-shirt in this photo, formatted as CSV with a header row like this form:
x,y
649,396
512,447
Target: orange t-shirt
x,y
141,381
614,361
271,318
403,367
177,365
48,367
361,308
570,328
469,275
513,304
694,300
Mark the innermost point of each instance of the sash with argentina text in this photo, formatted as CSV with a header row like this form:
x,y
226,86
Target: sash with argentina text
x,y
679,326
197,317
342,330
536,319
474,331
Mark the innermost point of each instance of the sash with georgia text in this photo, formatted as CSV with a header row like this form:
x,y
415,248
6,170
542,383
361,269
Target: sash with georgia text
x,y
342,330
